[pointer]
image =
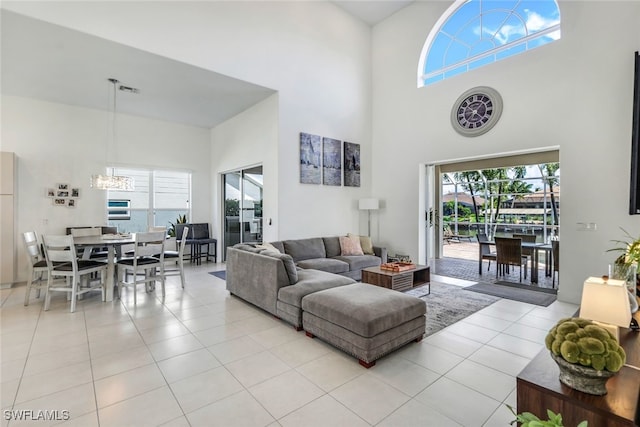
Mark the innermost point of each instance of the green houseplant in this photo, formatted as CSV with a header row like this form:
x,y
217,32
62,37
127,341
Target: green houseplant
x,y
182,219
625,267
587,354
527,419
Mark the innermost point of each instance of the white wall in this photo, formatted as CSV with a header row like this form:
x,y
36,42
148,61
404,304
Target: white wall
x,y
57,143
313,53
249,139
575,94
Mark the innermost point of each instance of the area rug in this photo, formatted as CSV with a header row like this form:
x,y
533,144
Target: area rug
x,y
516,292
447,304
219,274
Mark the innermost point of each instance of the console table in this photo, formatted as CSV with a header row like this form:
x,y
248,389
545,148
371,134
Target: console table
x,y
539,389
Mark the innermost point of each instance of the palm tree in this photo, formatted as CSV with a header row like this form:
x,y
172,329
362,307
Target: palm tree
x,y
548,172
470,181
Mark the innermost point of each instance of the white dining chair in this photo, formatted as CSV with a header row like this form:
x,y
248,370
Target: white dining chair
x,y
98,253
176,258
37,265
63,262
148,257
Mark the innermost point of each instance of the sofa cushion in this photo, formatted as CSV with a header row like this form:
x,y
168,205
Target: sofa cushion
x,y
360,262
332,246
366,310
305,248
310,281
289,265
365,243
350,245
279,246
331,265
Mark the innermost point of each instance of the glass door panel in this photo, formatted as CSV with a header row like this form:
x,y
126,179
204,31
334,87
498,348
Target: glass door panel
x,y
242,207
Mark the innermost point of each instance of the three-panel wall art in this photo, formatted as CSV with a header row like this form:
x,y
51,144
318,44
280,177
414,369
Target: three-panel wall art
x,y
329,161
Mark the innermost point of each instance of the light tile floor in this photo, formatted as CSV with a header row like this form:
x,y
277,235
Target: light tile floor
x,y
203,358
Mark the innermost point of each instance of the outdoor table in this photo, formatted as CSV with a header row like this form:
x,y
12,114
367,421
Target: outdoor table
x,y
534,262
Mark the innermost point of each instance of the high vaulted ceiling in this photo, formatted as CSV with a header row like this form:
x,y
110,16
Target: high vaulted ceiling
x,y
45,61
53,63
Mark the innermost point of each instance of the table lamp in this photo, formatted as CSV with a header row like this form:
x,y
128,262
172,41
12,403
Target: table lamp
x,y
605,302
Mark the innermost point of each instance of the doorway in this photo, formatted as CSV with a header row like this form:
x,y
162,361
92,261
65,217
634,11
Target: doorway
x,y
242,204
500,196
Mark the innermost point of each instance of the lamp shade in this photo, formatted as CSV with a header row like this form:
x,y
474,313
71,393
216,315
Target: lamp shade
x,y
605,302
368,204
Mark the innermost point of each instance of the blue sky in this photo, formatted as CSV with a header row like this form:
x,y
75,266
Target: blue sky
x,y
481,31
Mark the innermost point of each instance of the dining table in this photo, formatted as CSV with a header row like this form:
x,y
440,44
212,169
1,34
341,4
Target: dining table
x,y
112,242
535,246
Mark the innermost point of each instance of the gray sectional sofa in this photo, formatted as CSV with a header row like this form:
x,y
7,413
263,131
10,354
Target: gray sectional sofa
x,y
324,254
376,322
263,278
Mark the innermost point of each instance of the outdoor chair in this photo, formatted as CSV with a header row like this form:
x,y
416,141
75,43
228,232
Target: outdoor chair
x,y
509,253
529,238
485,250
555,260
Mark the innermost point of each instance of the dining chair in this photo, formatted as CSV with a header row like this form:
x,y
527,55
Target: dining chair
x,y
63,262
485,250
157,228
177,258
508,253
528,238
37,265
97,253
147,258
555,260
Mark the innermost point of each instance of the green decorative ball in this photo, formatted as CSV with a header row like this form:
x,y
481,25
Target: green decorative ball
x,y
580,341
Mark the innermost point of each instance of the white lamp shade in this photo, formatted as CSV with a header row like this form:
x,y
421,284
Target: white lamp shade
x,y
606,302
368,204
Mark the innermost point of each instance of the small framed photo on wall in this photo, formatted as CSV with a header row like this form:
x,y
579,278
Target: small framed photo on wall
x,y
59,202
63,187
75,192
51,192
71,203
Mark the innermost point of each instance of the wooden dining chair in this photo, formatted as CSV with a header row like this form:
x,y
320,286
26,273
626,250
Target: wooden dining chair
x,y
63,262
148,257
509,253
37,265
485,250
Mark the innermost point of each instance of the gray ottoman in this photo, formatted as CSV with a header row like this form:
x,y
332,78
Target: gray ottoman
x,y
364,320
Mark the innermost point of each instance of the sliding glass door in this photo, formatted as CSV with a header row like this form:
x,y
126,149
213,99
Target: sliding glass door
x,y
243,206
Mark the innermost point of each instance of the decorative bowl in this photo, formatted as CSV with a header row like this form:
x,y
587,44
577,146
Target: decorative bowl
x,y
582,378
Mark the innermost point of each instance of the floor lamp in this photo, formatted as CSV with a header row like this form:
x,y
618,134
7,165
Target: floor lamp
x,y
369,205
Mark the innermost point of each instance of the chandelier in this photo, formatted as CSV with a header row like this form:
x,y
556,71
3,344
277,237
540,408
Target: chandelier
x,y
112,181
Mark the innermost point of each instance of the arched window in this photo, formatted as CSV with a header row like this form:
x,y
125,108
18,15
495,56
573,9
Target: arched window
x,y
472,33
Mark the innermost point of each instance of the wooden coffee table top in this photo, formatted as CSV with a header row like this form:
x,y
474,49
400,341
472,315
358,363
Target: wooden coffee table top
x,y
378,270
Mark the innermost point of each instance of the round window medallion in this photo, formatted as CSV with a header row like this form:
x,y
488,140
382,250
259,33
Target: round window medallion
x,y
476,111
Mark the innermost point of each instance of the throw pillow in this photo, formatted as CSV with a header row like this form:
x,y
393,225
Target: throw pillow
x,y
350,246
365,243
267,246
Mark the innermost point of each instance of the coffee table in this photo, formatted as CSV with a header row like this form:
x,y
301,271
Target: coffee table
x,y
397,280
